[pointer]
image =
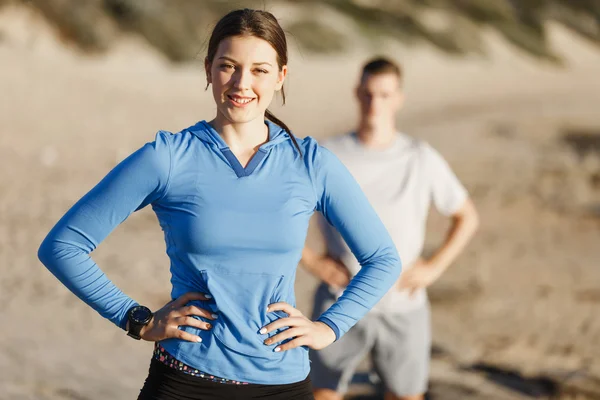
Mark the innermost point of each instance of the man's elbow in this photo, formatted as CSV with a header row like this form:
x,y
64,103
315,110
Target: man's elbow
x,y
476,222
468,216
473,218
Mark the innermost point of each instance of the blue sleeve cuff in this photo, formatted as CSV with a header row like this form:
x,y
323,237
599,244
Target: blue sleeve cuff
x,y
330,324
123,323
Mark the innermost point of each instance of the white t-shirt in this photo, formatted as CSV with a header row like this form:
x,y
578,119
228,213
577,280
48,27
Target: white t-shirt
x,y
400,182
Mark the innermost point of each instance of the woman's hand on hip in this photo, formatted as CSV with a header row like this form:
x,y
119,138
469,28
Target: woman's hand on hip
x,y
313,334
166,322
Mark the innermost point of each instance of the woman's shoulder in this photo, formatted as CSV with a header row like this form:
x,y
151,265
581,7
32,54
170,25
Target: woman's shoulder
x,y
175,138
314,151
310,145
318,160
177,143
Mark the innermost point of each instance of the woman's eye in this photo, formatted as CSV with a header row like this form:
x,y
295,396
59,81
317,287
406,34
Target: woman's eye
x,y
262,71
227,66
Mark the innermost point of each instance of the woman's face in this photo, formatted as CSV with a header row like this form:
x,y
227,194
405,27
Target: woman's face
x,y
244,75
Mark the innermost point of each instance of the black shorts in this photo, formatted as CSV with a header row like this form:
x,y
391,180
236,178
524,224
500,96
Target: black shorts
x,y
165,383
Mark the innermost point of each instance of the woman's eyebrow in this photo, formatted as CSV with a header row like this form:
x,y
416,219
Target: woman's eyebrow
x,y
235,62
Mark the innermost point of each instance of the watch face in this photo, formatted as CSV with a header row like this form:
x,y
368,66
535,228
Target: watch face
x,y
140,314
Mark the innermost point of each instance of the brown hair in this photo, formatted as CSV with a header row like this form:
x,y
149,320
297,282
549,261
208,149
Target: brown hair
x,y
382,65
260,24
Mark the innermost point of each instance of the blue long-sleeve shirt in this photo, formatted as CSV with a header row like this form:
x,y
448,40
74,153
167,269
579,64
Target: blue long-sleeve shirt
x,y
236,233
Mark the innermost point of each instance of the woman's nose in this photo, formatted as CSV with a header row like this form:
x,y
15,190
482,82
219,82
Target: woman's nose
x,y
243,80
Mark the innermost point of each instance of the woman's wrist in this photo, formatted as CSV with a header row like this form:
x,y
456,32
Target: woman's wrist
x,y
329,330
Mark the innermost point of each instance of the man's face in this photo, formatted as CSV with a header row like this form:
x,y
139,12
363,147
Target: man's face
x,y
380,98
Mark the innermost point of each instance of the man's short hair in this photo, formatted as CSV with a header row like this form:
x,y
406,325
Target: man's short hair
x,y
382,65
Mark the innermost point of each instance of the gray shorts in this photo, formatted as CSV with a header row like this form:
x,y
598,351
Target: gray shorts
x,y
399,345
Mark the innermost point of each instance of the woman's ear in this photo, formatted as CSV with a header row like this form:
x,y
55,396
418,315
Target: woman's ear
x,y
207,66
281,77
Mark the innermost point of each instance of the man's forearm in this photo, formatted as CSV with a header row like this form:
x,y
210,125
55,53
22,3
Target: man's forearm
x,y
310,260
464,225
325,268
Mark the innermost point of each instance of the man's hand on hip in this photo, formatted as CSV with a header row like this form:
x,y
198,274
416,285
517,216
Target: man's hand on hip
x,y
420,274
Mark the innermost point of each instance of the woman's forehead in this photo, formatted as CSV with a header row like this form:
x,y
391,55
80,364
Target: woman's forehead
x,y
247,50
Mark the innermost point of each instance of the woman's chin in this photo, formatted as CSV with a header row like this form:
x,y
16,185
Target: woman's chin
x,y
237,116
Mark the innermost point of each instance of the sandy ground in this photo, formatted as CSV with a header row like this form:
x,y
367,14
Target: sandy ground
x,y
516,317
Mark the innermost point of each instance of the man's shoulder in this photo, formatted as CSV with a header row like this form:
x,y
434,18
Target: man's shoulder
x,y
417,145
406,144
410,142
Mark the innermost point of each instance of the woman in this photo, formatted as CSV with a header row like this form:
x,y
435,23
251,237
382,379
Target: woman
x,y
233,197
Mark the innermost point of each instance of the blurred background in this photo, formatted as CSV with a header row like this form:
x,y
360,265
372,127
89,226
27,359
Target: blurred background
x,y
507,91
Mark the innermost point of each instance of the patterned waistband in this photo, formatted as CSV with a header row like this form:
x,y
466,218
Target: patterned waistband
x,y
164,357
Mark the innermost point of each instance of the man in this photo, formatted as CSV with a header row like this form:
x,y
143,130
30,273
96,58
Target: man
x,y
401,177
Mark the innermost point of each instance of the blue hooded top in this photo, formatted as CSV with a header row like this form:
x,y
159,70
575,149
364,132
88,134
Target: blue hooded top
x,y
233,232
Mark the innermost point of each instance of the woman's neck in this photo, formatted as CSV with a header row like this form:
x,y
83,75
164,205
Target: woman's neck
x,y
243,139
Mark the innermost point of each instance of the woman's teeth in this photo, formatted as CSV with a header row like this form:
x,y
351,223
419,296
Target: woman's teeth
x,y
241,100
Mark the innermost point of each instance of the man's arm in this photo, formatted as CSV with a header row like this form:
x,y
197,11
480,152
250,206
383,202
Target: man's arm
x,y
423,273
327,269
464,225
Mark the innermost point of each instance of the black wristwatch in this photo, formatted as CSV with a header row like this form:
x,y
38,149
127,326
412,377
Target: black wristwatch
x,y
138,317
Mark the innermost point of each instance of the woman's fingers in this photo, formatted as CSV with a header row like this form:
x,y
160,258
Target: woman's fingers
x,y
190,296
287,334
296,318
193,310
191,321
183,335
283,323
285,307
292,344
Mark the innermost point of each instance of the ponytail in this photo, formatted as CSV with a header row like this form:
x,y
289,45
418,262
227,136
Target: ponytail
x,y
269,115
